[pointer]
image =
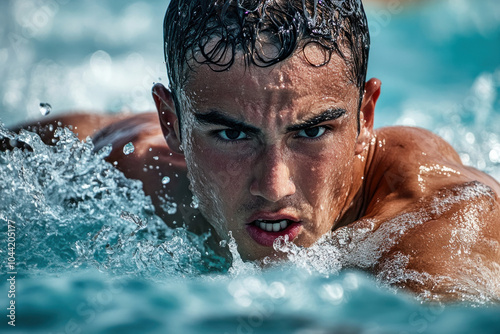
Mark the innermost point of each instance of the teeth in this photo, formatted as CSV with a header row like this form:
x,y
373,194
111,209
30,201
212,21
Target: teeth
x,y
283,224
272,227
262,225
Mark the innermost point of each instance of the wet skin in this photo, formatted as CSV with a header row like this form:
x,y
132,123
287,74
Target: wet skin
x,y
282,143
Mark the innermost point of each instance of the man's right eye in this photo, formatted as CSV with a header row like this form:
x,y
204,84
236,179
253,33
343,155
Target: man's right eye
x,y
231,135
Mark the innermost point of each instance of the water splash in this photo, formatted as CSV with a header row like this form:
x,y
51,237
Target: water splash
x,y
238,267
73,209
323,257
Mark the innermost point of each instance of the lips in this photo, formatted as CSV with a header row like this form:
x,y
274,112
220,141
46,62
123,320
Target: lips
x,y
265,228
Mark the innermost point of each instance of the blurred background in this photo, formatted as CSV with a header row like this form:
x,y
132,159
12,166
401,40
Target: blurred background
x,y
439,62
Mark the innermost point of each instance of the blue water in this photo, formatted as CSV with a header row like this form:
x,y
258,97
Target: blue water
x,y
91,257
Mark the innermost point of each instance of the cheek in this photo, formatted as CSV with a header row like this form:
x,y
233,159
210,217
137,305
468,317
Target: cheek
x,y
328,176
215,174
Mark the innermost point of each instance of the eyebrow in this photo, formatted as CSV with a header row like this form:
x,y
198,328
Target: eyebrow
x,y
215,117
327,115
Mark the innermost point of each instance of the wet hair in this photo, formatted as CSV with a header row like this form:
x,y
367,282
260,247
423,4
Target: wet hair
x,y
213,32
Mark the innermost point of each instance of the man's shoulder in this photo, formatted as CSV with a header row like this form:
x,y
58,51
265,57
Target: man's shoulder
x,y
413,143
416,158
410,164
429,210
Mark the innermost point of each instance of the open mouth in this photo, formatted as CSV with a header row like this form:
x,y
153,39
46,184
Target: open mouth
x,y
265,232
273,225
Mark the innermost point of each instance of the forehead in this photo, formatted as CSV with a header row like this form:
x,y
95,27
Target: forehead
x,y
294,81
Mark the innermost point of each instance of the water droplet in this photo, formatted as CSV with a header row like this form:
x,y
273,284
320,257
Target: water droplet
x,y
165,180
45,109
129,148
195,203
170,207
156,158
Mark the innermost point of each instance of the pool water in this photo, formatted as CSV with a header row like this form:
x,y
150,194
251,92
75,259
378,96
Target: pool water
x,y
91,257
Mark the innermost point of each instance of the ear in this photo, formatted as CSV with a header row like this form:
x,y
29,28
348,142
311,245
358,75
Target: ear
x,y
168,117
367,114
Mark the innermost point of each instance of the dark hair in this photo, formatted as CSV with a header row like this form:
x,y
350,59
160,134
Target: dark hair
x,y
211,32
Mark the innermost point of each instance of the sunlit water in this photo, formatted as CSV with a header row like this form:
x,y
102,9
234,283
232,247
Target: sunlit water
x,y
91,257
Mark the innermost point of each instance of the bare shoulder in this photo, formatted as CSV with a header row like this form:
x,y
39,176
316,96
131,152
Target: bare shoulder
x,y
148,158
147,153
414,163
434,222
83,123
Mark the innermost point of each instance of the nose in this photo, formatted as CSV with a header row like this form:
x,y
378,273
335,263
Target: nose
x,y
272,176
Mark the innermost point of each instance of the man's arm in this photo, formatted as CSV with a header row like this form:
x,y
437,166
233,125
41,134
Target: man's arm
x,y
450,245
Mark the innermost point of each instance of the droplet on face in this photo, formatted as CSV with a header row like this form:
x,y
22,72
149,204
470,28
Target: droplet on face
x,y
128,149
165,180
45,109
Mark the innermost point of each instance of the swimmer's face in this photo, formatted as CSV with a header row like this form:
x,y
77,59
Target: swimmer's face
x,y
273,151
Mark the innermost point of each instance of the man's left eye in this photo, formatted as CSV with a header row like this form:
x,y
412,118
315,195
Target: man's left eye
x,y
312,133
231,135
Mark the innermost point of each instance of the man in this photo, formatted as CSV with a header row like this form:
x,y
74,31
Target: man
x,y
269,122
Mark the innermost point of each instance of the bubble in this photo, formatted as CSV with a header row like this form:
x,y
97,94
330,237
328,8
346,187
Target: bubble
x,y
45,109
101,65
334,292
128,149
494,155
165,180
470,138
276,290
